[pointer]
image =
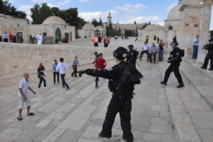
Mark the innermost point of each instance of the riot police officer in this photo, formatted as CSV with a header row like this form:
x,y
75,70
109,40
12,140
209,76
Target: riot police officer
x,y
121,97
209,55
132,57
174,59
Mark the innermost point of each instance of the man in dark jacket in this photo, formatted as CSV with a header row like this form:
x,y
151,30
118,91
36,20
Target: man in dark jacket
x,y
209,55
121,97
174,59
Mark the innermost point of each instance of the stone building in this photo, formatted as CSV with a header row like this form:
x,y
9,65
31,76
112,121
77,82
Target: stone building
x,y
185,20
153,32
89,31
118,26
53,26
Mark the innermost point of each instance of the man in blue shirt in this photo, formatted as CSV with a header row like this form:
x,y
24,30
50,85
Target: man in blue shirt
x,y
74,66
195,47
55,73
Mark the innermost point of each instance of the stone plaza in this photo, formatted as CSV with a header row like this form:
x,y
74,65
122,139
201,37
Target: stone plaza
x,y
159,114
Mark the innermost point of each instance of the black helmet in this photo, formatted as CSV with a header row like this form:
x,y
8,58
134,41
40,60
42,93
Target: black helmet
x,y
120,53
131,46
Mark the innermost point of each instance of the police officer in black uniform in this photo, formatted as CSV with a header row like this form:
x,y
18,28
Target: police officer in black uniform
x,y
209,55
132,57
120,102
174,59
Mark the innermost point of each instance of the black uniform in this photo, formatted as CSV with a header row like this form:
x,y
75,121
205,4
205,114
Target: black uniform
x,y
174,59
209,55
120,102
132,57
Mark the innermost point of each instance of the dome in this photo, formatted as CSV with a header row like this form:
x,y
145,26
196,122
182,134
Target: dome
x,y
99,27
54,20
88,26
153,27
175,13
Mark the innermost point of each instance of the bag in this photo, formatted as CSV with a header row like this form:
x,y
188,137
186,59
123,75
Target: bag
x,y
182,52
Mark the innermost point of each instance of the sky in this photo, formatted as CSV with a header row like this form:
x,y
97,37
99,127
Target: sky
x,y
122,11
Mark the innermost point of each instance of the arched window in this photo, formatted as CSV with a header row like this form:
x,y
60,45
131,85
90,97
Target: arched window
x,y
187,24
196,25
170,28
155,37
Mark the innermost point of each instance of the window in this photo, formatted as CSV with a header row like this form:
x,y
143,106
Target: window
x,y
44,34
196,25
155,37
170,28
187,24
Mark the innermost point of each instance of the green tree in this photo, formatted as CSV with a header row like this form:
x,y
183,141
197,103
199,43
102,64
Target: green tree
x,y
7,9
39,14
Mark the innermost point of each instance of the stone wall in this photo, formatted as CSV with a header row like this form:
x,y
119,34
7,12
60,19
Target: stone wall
x,y
15,59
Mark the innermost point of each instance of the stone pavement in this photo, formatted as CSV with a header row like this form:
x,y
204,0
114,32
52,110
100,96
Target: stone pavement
x,y
160,113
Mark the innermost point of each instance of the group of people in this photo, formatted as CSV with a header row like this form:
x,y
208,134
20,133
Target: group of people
x,y
8,37
121,82
97,39
152,51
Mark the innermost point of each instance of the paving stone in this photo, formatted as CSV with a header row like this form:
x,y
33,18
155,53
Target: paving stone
x,y
151,137
54,135
70,122
70,135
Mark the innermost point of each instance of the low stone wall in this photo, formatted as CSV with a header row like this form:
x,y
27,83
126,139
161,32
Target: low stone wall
x,y
15,59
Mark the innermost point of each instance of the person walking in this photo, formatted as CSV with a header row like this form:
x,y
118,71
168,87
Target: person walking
x,y
55,73
100,64
23,96
145,49
96,56
160,50
106,41
61,68
121,99
74,66
5,37
209,55
195,47
39,38
174,59
41,75
95,40
10,38
153,51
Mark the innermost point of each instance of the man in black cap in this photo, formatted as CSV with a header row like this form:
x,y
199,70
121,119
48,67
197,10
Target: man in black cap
x,y
174,59
132,56
121,98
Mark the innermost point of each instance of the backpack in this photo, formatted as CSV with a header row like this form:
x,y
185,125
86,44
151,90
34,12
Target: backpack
x,y
182,52
128,79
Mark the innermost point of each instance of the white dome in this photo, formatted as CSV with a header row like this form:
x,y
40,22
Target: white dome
x,y
175,13
88,26
54,20
99,27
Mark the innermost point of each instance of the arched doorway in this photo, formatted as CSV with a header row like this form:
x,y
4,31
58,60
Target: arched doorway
x,y
58,34
170,33
97,32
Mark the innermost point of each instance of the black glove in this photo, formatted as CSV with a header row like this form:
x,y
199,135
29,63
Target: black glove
x,y
81,72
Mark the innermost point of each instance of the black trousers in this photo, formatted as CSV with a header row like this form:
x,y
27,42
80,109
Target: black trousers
x,y
105,44
147,53
150,56
54,76
206,61
124,107
41,79
174,67
63,81
96,44
75,70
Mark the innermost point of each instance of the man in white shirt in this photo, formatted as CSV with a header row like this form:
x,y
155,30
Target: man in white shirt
x,y
195,47
61,68
23,96
145,49
39,39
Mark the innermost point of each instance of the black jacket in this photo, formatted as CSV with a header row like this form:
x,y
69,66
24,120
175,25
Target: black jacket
x,y
175,56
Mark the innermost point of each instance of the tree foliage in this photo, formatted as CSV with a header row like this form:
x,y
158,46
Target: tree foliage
x,y
96,23
7,9
70,16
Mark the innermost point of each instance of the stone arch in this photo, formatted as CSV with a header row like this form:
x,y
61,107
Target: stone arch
x,y
170,27
98,32
58,34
